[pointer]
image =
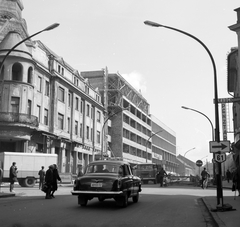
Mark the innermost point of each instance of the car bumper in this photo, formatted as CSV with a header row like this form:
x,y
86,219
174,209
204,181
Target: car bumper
x,y
97,193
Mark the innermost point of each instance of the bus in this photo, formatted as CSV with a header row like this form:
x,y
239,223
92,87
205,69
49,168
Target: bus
x,y
147,172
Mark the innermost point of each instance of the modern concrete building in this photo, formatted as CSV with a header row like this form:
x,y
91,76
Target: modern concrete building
x,y
163,146
127,117
46,106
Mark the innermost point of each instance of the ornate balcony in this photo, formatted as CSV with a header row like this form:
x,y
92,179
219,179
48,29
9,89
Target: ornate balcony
x,y
10,117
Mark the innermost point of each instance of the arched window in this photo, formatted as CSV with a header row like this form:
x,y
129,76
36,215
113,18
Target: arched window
x,y
17,72
30,75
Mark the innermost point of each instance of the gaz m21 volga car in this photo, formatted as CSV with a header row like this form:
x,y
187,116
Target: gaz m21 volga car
x,y
107,179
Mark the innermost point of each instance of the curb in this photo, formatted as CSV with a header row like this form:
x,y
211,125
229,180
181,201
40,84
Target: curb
x,y
213,215
5,195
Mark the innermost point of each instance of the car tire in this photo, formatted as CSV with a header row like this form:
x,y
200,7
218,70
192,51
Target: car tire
x,y
135,198
122,201
82,201
29,182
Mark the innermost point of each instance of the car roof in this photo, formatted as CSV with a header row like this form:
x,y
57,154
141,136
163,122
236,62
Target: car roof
x,y
119,162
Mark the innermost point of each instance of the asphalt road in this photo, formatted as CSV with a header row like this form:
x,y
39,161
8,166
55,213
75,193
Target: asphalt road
x,y
167,207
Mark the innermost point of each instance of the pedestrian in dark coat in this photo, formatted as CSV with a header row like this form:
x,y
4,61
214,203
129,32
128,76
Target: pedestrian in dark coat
x,y
228,174
236,179
161,175
49,181
12,176
56,178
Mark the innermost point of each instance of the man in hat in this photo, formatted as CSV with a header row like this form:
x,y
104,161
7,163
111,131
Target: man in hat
x,y
49,181
41,174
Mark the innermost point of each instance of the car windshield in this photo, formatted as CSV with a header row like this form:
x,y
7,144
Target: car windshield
x,y
145,167
103,168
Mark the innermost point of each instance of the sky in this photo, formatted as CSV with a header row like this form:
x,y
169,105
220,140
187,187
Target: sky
x,y
170,69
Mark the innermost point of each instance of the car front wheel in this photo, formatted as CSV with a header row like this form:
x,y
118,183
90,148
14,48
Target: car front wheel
x,y
135,198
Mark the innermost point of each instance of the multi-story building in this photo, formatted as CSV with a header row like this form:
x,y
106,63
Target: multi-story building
x,y
163,146
127,114
45,105
234,88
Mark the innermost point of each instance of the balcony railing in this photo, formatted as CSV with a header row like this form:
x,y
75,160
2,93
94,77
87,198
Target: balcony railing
x,y
10,117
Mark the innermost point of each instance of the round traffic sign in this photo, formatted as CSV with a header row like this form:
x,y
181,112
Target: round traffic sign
x,y
199,163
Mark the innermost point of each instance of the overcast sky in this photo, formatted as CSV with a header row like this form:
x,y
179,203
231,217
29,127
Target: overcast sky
x,y
170,69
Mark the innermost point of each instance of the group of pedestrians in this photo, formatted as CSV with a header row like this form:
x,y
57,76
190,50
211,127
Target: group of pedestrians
x,y
50,180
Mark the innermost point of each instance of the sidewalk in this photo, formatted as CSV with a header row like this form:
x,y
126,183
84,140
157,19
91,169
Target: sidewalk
x,y
224,218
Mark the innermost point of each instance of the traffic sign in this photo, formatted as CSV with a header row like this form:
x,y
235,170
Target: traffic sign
x,y
220,157
199,163
222,146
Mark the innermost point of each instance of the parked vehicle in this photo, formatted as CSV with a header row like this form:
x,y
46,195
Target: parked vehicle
x,y
28,165
107,179
147,172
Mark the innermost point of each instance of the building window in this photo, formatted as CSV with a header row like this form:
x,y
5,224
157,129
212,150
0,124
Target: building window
x,y
69,99
98,137
59,68
61,94
81,107
76,127
38,112
17,72
77,103
29,107
47,88
81,130
45,116
39,84
68,125
60,121
15,104
98,116
88,110
30,75
87,132
91,112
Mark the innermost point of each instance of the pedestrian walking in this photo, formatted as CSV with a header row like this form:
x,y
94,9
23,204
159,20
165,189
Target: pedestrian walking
x,y
56,178
41,174
49,181
13,176
236,179
205,175
161,175
228,175
80,172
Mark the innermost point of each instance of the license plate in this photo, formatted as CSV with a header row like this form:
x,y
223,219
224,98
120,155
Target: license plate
x,y
96,185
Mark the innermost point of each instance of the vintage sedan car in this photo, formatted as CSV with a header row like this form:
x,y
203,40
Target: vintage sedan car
x,y
107,179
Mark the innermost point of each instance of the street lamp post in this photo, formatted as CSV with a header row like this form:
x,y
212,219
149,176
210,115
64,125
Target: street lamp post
x,y
103,127
27,38
187,108
189,150
148,141
217,132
